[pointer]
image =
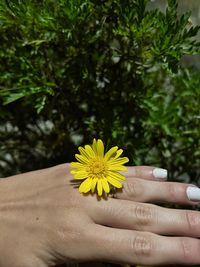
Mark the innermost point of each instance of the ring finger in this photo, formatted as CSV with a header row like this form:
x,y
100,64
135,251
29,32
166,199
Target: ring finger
x,y
140,190
146,172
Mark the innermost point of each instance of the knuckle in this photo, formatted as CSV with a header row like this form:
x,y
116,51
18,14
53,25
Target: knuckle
x,y
142,246
186,250
173,191
68,234
145,214
192,219
133,190
73,201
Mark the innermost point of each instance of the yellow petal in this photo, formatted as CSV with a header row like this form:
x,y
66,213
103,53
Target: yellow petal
x,y
94,182
89,151
116,176
100,148
77,165
99,187
118,161
118,153
85,186
79,174
94,146
110,153
117,168
105,185
114,182
83,152
82,159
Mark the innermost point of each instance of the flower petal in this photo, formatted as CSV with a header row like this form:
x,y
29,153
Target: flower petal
x,y
82,159
110,153
116,176
118,161
99,187
118,153
79,174
83,152
117,167
94,146
100,148
105,185
89,151
85,186
114,182
77,165
94,182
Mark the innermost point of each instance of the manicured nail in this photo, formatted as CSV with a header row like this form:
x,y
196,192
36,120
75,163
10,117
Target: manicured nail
x,y
193,193
160,173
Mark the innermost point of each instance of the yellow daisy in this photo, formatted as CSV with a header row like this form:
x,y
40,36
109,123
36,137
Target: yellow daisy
x,y
98,170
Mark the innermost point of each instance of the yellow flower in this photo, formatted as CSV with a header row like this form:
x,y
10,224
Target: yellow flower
x,y
98,170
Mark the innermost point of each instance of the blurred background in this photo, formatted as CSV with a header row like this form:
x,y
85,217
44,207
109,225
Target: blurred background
x,y
184,6
124,71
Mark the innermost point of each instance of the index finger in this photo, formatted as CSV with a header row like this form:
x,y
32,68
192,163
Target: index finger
x,y
146,172
136,247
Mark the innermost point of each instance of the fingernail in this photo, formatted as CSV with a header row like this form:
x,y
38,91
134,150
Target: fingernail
x,y
160,173
193,193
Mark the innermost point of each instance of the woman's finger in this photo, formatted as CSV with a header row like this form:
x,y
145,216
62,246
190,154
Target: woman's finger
x,y
146,172
158,192
135,247
147,217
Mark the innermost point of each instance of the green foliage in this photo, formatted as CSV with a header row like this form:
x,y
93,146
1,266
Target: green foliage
x,y
72,70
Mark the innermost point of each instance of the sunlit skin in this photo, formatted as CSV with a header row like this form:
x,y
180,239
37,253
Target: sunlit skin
x,y
45,221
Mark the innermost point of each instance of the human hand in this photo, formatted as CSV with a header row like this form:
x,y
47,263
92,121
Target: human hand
x,y
45,221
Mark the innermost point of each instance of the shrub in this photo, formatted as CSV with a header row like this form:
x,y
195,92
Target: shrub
x,y
72,70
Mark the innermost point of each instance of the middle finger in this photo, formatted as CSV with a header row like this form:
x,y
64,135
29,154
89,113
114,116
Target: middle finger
x,y
146,217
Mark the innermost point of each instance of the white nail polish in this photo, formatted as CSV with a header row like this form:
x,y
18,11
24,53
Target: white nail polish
x,y
160,173
193,193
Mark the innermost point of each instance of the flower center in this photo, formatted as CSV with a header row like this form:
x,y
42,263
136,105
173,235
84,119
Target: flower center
x,y
97,167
